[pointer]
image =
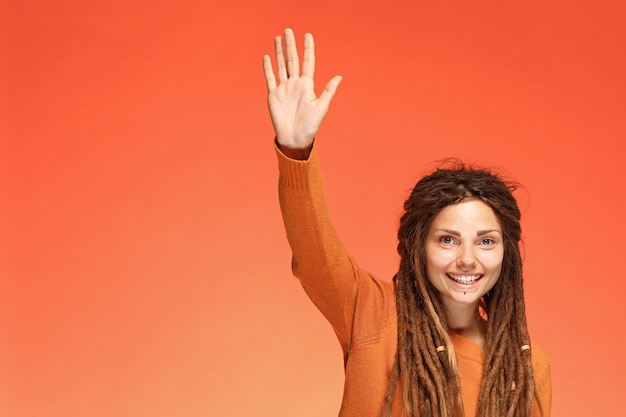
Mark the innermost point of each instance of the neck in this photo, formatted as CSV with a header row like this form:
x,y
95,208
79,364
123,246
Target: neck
x,y
465,320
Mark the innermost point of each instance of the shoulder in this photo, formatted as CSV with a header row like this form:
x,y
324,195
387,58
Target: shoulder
x,y
539,356
543,379
374,294
374,310
541,366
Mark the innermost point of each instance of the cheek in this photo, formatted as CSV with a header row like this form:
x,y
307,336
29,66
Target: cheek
x,y
434,259
438,262
435,255
493,261
431,262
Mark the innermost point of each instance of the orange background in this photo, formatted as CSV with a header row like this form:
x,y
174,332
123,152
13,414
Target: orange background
x,y
144,268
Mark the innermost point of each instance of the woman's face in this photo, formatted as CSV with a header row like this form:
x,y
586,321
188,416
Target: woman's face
x,y
464,252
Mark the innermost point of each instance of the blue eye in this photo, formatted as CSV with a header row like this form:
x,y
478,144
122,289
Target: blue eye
x,y
447,240
487,242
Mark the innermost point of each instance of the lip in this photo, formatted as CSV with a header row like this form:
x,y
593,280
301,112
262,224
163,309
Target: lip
x,y
465,280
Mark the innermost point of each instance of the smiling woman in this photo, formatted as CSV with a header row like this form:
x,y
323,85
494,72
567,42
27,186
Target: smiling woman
x,y
459,290
449,336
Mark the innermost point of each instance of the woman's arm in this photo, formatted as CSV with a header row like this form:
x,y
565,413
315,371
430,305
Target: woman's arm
x,y
319,259
330,276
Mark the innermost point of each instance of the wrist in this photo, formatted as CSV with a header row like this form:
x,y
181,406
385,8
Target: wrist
x,y
300,154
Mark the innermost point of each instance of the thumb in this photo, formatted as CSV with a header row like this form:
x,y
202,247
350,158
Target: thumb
x,y
329,91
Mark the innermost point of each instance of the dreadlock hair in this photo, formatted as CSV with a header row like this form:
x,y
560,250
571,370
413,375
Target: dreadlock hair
x,y
427,371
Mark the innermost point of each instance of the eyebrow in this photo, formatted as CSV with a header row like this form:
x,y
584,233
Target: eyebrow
x,y
479,233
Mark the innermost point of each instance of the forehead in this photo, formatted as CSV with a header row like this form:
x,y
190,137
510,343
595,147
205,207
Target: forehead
x,y
470,214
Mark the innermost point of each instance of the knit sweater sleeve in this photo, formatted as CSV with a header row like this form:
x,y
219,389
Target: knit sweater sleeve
x,y
330,276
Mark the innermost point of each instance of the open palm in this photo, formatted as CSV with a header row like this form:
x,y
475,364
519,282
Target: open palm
x,y
295,111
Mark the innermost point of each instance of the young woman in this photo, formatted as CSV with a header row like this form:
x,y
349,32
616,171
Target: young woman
x,y
448,337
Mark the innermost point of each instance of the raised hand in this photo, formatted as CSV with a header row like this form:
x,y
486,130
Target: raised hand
x,y
295,111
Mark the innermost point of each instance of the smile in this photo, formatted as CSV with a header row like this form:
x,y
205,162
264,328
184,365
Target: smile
x,y
465,279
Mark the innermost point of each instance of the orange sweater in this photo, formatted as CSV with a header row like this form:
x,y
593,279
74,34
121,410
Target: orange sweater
x,y
360,307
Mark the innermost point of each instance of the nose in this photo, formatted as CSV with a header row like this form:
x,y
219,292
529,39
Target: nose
x,y
467,258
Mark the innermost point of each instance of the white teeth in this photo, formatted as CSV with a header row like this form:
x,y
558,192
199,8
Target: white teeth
x,y
465,279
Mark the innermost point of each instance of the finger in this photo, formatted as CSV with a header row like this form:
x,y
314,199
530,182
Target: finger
x,y
308,62
280,59
270,79
293,63
329,92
